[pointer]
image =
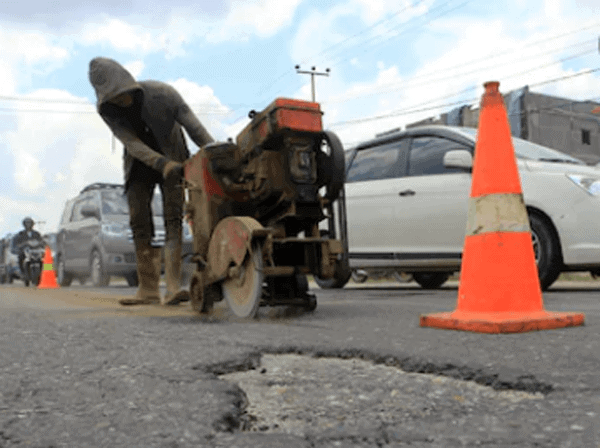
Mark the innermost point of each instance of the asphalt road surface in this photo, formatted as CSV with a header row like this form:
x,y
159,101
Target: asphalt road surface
x,y
78,370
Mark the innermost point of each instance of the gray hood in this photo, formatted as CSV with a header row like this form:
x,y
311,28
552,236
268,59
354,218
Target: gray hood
x,y
110,79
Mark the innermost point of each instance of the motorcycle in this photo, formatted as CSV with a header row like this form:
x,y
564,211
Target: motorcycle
x,y
33,261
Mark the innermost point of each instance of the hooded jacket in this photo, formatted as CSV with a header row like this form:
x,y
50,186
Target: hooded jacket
x,y
150,129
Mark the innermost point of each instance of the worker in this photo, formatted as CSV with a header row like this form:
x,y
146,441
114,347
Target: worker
x,y
148,118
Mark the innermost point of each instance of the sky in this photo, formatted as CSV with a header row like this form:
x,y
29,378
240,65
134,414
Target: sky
x,y
390,63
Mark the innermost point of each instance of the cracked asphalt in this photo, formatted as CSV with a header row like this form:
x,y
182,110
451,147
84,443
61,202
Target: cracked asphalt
x,y
78,370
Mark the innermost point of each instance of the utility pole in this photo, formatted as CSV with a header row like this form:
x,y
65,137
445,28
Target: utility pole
x,y
313,72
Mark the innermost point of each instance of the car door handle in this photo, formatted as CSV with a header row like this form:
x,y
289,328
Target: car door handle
x,y
407,193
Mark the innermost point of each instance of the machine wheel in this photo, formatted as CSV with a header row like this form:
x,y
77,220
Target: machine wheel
x,y
62,278
340,278
430,280
333,170
546,250
132,279
99,278
244,292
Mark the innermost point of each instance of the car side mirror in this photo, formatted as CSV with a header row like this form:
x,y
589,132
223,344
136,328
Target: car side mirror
x,y
458,158
90,211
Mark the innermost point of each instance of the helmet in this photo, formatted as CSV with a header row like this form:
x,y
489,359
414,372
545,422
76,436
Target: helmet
x,y
28,220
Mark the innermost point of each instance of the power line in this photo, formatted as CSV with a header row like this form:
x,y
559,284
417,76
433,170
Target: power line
x,y
411,110
520,47
395,36
379,22
211,110
55,111
289,71
470,89
420,82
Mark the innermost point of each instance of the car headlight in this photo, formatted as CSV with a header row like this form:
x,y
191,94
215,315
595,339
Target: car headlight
x,y
590,184
114,229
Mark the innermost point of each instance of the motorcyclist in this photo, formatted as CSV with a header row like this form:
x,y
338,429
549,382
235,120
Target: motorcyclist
x,y
23,237
148,118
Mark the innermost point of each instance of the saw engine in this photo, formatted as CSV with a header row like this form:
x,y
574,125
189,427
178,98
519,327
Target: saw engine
x,y
262,210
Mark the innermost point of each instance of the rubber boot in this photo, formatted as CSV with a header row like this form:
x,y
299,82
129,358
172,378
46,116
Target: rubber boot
x,y
175,295
148,270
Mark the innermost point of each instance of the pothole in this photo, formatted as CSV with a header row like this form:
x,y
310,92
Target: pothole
x,y
298,394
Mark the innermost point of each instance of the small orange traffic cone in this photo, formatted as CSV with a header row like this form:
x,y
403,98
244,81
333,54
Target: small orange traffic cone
x,y
48,278
499,289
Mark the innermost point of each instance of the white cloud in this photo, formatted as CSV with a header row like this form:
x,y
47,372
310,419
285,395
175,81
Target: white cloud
x,y
261,18
135,68
57,148
28,173
120,35
207,107
479,52
245,19
23,53
324,37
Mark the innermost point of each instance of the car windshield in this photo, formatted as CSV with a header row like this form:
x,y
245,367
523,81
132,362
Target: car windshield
x,y
114,202
528,150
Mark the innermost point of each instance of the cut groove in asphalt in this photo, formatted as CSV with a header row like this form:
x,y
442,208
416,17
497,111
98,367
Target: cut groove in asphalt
x,y
304,395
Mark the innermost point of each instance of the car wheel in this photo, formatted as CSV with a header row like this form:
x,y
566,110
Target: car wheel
x,y
132,279
99,278
340,278
430,280
546,250
62,278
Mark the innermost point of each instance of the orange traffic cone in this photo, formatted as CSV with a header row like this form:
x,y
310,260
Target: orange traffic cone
x,y
499,289
48,278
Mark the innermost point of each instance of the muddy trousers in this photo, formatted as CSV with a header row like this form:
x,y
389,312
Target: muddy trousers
x,y
140,191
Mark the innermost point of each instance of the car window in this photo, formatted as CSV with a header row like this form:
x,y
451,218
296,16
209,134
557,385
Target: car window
x,y
76,215
380,162
426,156
114,202
525,149
67,212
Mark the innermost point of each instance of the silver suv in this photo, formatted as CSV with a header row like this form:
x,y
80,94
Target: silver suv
x,y
94,239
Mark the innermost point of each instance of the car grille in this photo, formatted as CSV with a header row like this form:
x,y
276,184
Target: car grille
x,y
129,257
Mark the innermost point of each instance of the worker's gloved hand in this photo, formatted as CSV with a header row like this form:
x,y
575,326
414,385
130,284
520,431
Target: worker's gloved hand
x,y
172,169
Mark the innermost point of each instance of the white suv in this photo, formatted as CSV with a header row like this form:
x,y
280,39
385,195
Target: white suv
x,y
407,195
